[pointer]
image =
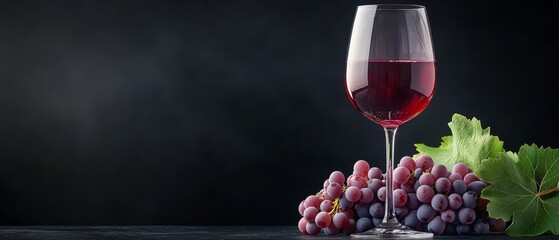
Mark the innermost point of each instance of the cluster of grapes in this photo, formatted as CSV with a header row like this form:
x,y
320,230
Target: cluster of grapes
x,y
427,197
337,206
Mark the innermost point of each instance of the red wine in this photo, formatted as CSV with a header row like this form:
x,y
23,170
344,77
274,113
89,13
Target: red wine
x,y
390,92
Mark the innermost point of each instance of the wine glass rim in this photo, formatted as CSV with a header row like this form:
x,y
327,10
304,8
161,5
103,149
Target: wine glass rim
x,y
393,6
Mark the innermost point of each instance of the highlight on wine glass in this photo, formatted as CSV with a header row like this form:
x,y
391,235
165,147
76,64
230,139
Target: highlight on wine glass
x,y
390,79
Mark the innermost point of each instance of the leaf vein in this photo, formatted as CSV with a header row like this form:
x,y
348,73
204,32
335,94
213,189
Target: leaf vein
x,y
519,184
547,170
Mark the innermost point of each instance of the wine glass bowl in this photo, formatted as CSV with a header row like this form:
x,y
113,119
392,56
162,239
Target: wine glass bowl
x,y
390,79
390,67
390,92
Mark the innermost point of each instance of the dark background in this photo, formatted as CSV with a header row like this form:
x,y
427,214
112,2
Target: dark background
x,y
226,112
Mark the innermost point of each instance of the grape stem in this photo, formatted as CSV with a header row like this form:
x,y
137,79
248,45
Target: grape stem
x,y
335,208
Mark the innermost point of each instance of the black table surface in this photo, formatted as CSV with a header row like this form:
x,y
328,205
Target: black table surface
x,y
185,232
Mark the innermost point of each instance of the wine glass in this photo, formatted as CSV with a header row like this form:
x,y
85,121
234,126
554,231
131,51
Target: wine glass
x,y
390,79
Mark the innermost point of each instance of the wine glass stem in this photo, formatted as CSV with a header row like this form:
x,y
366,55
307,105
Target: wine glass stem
x,y
389,216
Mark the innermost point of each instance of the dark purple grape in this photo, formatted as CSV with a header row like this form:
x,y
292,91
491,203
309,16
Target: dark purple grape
x,y
408,186
413,202
417,173
401,211
462,229
425,193
481,227
466,215
375,173
411,219
377,221
459,187
439,202
374,184
476,186
363,224
344,203
443,185
470,199
362,210
377,210
425,213
436,225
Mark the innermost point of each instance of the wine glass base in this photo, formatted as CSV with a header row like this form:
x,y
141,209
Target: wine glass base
x,y
392,232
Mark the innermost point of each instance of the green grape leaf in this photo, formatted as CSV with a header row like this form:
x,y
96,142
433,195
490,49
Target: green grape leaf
x,y
468,144
524,188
